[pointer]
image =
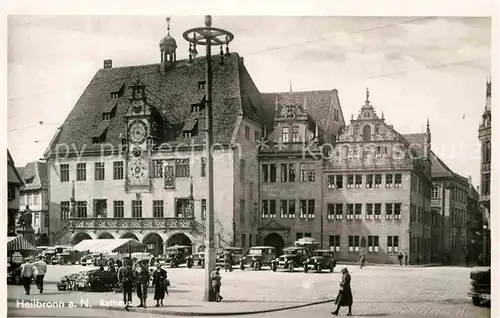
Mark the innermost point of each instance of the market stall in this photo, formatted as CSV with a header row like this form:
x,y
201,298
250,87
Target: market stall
x,y
17,250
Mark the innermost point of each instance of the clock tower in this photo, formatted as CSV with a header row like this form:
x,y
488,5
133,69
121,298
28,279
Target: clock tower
x,y
143,125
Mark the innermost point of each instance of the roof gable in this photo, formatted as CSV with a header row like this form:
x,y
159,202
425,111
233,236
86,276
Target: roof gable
x,y
12,173
35,176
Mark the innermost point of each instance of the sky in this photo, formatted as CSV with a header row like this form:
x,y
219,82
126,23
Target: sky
x,y
414,67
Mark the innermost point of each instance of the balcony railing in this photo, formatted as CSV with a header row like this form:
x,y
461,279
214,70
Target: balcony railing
x,y
137,223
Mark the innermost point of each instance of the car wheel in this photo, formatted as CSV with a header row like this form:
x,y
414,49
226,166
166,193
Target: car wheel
x,y
291,267
274,267
242,266
306,268
256,265
189,265
73,263
320,268
331,268
476,301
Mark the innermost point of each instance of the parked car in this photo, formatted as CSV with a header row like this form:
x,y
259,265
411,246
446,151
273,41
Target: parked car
x,y
89,259
177,254
197,259
292,257
480,286
259,256
237,256
68,256
320,259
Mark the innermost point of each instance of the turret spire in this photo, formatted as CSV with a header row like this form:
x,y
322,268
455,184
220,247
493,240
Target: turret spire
x,y
290,86
367,101
168,25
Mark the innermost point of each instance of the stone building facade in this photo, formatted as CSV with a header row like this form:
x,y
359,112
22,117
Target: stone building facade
x,y
14,184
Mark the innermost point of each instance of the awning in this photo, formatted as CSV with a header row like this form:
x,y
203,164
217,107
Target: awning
x,y
110,246
15,243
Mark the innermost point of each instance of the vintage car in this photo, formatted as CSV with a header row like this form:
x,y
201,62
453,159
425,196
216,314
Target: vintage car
x,y
177,254
197,259
67,257
88,259
292,257
259,256
480,286
320,259
236,256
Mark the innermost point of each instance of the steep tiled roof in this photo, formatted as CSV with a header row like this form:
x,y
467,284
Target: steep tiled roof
x,y
12,173
172,94
440,169
34,175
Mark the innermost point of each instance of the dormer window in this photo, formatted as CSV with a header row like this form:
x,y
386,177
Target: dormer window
x,y
285,134
106,116
190,128
99,132
201,84
109,110
117,90
198,107
295,134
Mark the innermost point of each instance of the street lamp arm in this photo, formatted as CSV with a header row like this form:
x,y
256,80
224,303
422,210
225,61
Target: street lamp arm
x,y
208,35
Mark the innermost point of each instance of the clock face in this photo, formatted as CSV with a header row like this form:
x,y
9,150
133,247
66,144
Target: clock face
x,y
138,131
138,170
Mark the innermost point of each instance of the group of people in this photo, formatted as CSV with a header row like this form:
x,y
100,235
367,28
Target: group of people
x,y
140,276
33,269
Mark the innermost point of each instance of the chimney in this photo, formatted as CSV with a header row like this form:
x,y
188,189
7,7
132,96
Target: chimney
x,y
242,60
470,180
108,63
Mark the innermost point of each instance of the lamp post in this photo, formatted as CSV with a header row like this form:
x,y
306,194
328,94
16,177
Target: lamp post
x,y
208,36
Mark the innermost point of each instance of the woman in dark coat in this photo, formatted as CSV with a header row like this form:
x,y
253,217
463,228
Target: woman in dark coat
x,y
159,279
344,298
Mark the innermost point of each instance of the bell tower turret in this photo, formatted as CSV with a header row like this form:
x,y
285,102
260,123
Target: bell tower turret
x,y
168,47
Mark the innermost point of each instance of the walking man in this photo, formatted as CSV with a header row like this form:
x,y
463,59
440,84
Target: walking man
x,y
142,281
125,278
400,258
362,260
40,270
26,275
406,259
216,283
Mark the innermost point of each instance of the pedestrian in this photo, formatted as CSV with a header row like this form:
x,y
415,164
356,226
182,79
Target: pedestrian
x,y
406,259
344,297
230,261
226,260
362,260
126,280
27,275
141,283
216,283
40,269
159,282
400,258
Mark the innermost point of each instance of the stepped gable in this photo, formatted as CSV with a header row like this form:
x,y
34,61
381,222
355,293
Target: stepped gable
x,y
176,90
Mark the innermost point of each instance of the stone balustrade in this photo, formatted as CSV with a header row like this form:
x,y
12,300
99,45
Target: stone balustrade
x,y
137,223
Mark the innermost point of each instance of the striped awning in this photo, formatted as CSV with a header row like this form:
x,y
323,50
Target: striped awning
x,y
15,243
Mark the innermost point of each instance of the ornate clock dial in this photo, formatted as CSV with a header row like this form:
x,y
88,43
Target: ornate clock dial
x,y
138,170
138,131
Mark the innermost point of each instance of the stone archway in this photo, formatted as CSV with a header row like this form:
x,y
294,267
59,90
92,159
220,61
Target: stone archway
x,y
275,240
129,235
154,243
179,239
105,235
80,236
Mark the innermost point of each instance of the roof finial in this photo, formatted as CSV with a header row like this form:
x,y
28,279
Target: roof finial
x,y
367,101
428,126
290,86
168,25
382,114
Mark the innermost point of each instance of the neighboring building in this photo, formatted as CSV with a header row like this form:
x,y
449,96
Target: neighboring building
x,y
449,213
291,164
135,165
474,224
376,191
14,183
34,195
485,139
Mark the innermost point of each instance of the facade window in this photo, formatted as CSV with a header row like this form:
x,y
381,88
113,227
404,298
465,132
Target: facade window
x,y
378,180
117,170
331,181
339,181
388,180
99,170
369,181
291,209
265,209
353,243
65,210
339,211
182,168
284,134
303,209
157,168
350,211
36,220
397,180
336,114
413,212
36,200
30,199
257,135
100,208
182,208
378,211
357,211
81,172
312,173
242,169
295,134
269,209
372,244
284,172
283,209
330,211
272,209
157,208
81,209
334,243
359,180
265,172
369,211
350,181
310,209
291,172
393,244
303,172
397,211
203,172
203,209
118,209
64,172
136,208
242,211
22,198
388,211
247,133
486,184
272,172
